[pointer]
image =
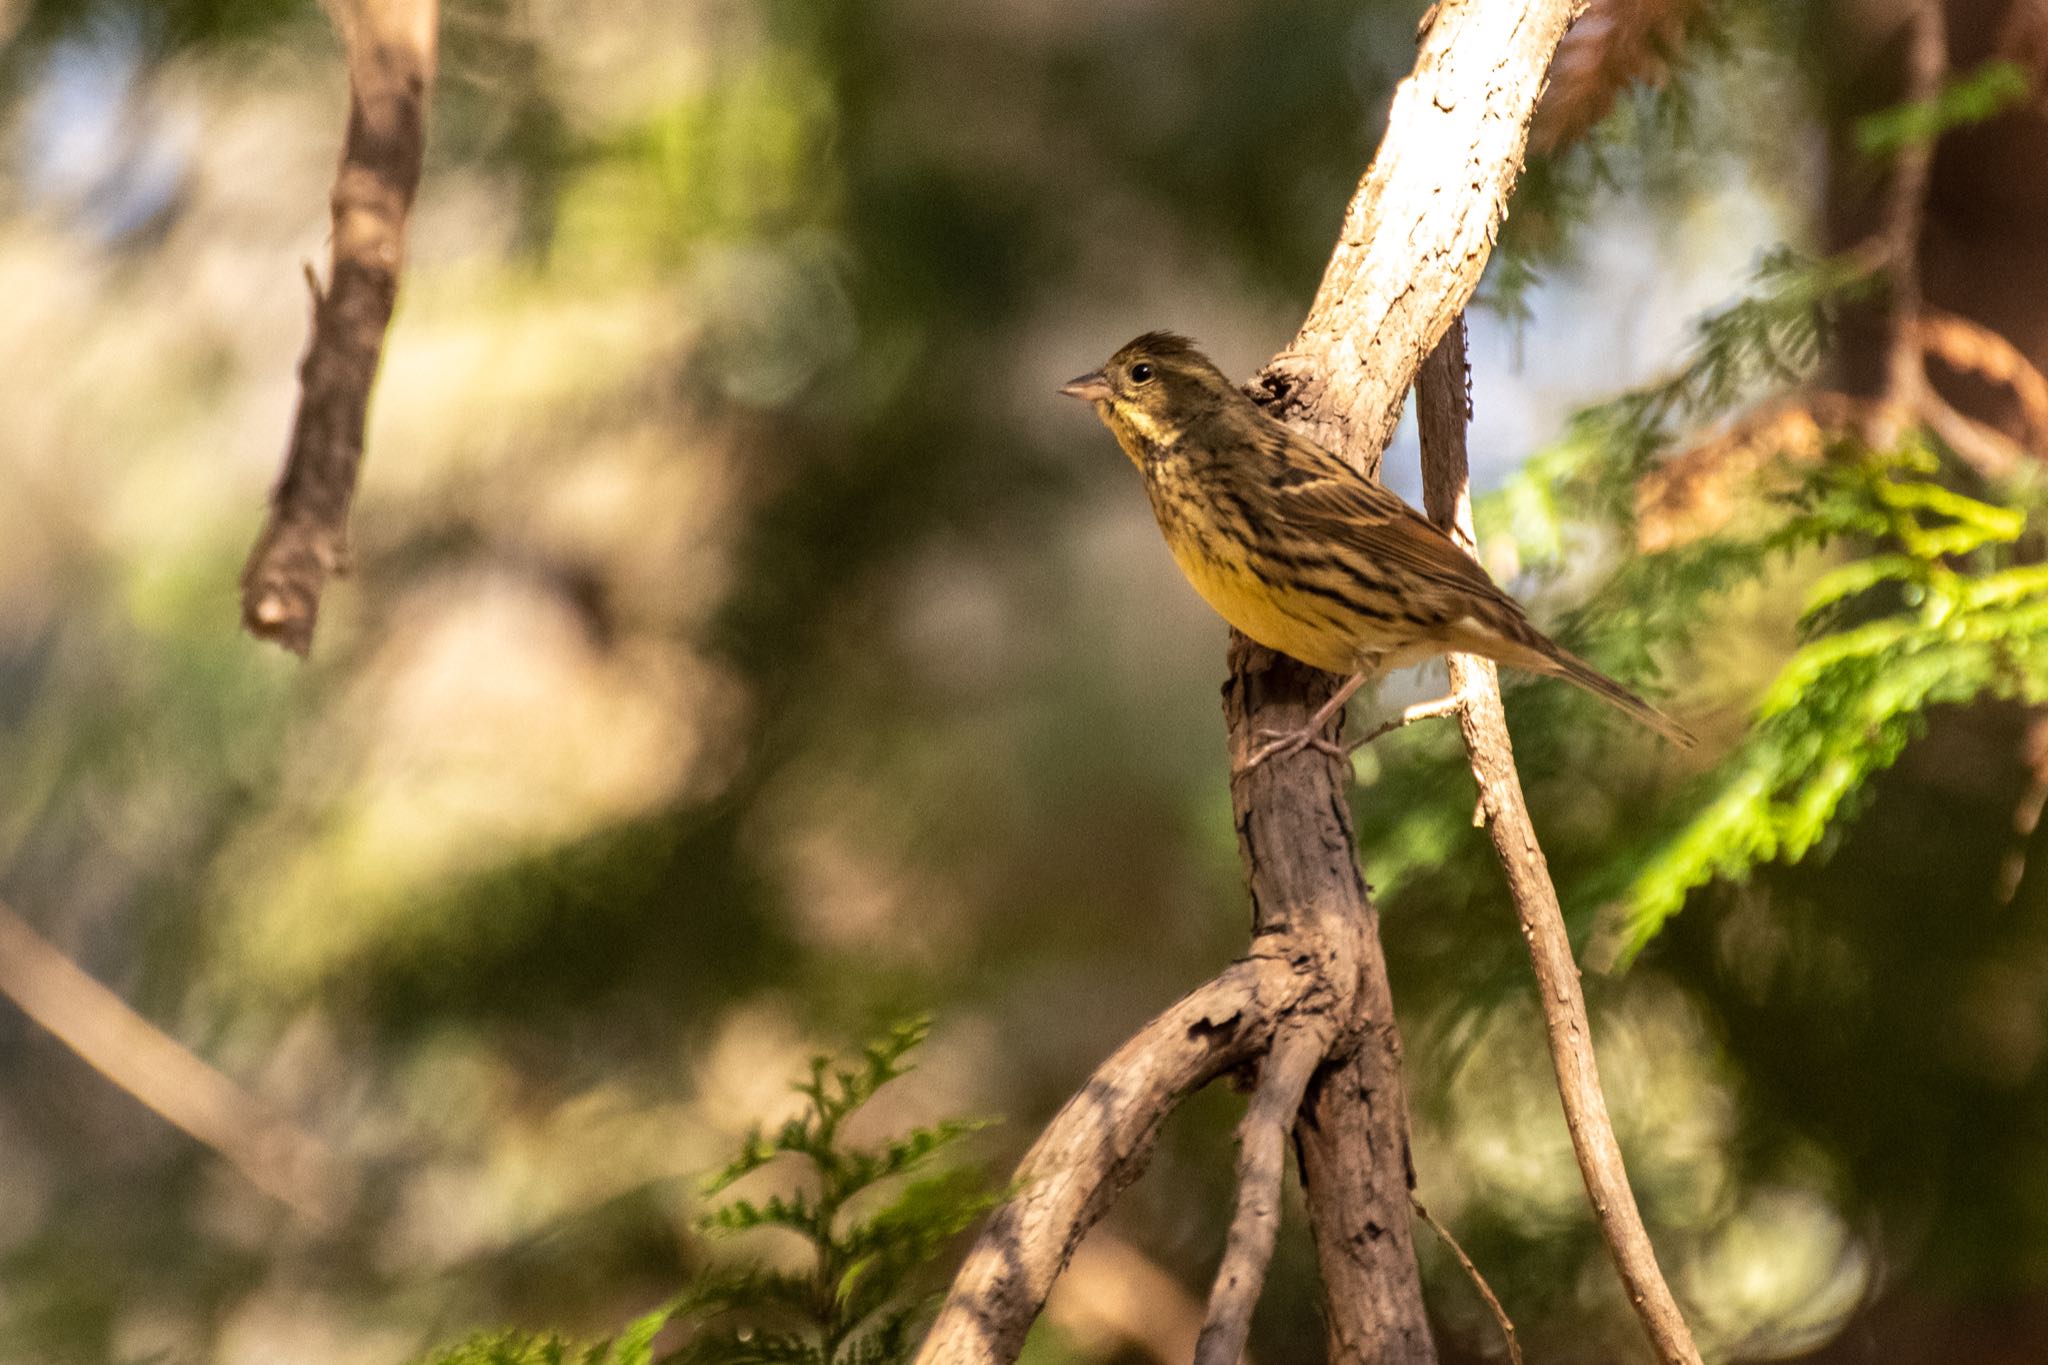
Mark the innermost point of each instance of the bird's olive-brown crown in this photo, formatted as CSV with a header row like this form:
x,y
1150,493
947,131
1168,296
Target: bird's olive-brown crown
x,y
1153,387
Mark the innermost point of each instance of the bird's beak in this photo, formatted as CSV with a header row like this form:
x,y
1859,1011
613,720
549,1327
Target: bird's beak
x,y
1091,388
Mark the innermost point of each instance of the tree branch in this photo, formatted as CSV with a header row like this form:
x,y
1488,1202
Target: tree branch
x,y
1500,1314
1906,209
390,47
1442,408
1415,240
1101,1140
266,1150
1261,1162
1421,225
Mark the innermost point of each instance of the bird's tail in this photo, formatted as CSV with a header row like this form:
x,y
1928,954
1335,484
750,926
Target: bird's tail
x,y
1506,635
1564,664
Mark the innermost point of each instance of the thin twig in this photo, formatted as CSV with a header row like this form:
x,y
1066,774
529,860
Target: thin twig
x,y
265,1149
1500,1314
1905,214
1434,709
1442,408
1261,1162
390,48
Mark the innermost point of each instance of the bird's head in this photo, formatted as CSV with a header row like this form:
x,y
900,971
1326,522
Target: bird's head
x,y
1152,390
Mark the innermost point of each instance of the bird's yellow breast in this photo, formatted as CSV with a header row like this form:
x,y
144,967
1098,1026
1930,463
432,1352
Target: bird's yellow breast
x,y
1216,563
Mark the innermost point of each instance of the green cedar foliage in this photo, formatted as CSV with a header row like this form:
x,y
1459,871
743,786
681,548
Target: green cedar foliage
x,y
870,1219
1931,599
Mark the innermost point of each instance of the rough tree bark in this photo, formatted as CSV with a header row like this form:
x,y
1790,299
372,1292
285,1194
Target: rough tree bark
x,y
390,45
1414,243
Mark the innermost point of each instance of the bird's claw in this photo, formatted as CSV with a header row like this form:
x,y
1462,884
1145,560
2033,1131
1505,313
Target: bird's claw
x,y
1281,742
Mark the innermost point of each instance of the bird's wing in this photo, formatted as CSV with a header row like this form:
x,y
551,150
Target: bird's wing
x,y
1326,500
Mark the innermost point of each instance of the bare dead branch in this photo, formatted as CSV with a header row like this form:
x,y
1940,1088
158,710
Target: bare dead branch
x,y
265,1149
1261,1163
1500,1314
390,49
1442,408
1099,1143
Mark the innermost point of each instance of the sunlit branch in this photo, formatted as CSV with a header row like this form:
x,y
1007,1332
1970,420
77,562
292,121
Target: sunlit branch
x,y
266,1150
1442,410
390,47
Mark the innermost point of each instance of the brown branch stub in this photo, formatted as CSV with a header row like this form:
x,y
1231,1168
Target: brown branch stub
x,y
1261,1165
1441,419
268,1151
390,51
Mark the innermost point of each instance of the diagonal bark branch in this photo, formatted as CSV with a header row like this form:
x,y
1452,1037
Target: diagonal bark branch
x,y
1422,224
1442,408
1261,1165
390,45
1101,1140
265,1149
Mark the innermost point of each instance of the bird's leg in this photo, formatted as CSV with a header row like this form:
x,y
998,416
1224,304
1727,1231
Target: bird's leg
x,y
1308,736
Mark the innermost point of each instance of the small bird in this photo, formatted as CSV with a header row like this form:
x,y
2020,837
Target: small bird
x,y
1300,551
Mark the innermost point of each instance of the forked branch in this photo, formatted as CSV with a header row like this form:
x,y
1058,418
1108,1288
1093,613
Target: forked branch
x,y
1261,1163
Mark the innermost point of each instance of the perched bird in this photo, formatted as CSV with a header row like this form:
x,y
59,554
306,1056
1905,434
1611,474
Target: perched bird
x,y
1300,551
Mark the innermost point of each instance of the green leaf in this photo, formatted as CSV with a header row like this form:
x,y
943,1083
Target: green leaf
x,y
1988,91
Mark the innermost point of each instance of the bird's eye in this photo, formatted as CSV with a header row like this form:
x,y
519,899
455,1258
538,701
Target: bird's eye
x,y
1141,373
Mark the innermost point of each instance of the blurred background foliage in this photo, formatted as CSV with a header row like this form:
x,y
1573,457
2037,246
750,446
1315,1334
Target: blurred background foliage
x,y
747,649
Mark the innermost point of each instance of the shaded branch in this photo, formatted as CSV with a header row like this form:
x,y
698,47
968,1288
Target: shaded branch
x,y
1500,1314
1261,1163
1100,1141
390,50
265,1149
1905,213
1442,409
